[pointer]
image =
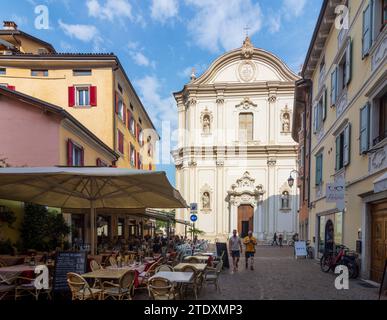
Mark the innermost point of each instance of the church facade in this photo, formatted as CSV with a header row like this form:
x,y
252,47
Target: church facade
x,y
235,151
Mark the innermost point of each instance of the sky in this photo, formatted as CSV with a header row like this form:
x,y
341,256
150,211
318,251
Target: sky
x,y
160,41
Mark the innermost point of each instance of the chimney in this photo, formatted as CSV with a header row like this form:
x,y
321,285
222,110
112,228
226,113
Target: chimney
x,y
9,25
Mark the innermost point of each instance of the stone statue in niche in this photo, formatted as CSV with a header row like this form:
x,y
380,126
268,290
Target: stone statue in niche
x,y
286,122
206,204
206,124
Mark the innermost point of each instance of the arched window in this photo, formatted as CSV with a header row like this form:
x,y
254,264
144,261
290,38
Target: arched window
x,y
285,200
246,126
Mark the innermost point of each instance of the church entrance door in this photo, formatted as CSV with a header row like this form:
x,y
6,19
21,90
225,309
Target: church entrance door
x,y
245,219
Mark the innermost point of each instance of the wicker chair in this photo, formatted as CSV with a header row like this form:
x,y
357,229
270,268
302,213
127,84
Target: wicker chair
x,y
121,290
26,287
161,289
6,287
211,275
144,276
80,289
113,262
164,267
94,266
194,282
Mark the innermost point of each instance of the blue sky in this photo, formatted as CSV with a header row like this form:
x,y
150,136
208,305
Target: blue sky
x,y
160,41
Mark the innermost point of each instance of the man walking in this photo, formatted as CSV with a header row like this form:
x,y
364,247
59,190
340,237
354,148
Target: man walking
x,y
250,243
274,240
235,245
280,239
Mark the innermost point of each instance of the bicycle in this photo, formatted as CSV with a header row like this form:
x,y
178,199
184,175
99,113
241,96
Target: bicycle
x,y
343,256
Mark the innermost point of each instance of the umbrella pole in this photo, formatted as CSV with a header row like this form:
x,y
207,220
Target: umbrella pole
x,y
92,228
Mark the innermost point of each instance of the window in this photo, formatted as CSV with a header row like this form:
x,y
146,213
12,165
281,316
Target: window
x,y
120,227
333,86
132,155
379,114
3,71
319,169
140,136
132,125
39,73
120,142
343,148
367,29
120,108
139,161
82,96
119,87
320,113
81,72
75,154
302,157
285,200
342,74
139,120
131,107
364,129
245,126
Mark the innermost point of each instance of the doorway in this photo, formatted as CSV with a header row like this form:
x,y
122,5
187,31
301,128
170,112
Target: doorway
x,y
245,220
378,240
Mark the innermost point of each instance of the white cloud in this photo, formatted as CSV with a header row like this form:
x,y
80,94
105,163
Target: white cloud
x,y
274,22
220,24
110,10
159,108
83,32
293,8
132,45
162,10
141,60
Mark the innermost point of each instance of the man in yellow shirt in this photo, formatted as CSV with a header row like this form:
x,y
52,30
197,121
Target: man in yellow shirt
x,y
250,242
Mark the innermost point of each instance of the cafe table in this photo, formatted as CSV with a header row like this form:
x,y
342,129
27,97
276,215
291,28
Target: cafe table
x,y
106,274
10,272
198,266
203,259
212,254
177,278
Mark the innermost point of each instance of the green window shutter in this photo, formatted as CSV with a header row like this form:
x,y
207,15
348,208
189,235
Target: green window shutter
x,y
315,118
333,86
318,169
348,64
347,145
367,29
364,129
338,151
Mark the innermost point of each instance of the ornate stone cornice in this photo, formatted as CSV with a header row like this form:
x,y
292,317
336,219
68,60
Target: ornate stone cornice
x,y
246,104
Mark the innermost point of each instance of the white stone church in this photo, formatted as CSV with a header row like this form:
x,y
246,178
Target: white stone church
x,y
235,151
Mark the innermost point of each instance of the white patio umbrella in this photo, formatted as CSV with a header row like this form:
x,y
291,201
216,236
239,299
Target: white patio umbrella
x,y
68,187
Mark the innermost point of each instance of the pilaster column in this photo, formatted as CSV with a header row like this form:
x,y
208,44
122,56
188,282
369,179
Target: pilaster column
x,y
220,132
181,109
272,213
272,121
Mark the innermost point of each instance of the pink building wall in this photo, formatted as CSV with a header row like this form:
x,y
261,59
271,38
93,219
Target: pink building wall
x,y
28,136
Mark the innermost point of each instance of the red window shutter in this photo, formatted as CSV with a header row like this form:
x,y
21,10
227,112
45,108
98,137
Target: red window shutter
x,y
135,159
116,102
83,157
120,142
93,96
71,96
138,160
11,88
69,153
128,115
137,131
98,162
150,167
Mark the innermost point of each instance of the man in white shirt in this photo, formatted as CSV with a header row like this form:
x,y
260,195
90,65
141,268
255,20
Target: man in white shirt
x,y
235,245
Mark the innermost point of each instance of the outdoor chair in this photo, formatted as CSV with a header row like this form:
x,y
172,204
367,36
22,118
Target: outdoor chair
x,y
211,275
26,286
218,259
94,266
164,267
144,276
113,262
6,287
80,289
161,289
119,291
194,284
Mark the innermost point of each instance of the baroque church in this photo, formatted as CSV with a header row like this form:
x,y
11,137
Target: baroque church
x,y
235,150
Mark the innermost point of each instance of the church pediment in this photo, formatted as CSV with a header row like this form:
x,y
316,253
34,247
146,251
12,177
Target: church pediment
x,y
246,65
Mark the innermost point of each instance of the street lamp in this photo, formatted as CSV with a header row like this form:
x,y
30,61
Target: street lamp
x,y
291,179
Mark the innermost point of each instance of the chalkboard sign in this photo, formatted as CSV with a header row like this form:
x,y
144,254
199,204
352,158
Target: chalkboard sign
x,y
383,285
68,262
222,247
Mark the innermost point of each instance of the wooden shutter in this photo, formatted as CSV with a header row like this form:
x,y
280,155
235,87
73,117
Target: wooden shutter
x,y
124,111
71,95
318,169
367,29
82,157
338,152
93,96
69,153
138,160
120,142
348,63
128,115
364,129
116,101
315,107
347,145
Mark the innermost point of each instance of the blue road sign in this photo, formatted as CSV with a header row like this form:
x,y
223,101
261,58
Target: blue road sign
x,y
194,217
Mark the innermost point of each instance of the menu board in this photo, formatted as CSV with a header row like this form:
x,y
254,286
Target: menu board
x,y
220,247
68,262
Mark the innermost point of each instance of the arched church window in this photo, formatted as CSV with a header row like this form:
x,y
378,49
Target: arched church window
x,y
285,200
246,126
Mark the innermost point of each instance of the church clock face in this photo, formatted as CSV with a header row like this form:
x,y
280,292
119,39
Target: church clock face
x,y
247,71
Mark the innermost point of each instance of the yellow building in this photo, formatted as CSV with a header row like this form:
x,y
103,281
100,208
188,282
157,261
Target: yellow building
x,y
93,88
346,69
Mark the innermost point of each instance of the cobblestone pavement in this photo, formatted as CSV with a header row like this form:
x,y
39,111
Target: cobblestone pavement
x,y
278,275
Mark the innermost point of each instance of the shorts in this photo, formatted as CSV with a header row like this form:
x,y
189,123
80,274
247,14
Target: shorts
x,y
235,253
249,255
